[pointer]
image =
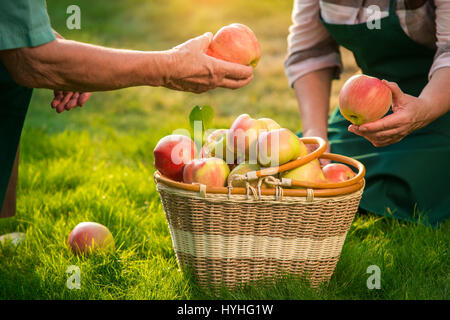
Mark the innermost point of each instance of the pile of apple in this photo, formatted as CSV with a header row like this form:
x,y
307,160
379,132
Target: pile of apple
x,y
249,145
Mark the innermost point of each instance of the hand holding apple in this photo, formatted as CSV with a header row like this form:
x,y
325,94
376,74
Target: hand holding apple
x,y
364,99
409,114
235,43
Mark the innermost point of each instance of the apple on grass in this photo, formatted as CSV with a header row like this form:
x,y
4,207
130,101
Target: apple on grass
x,y
235,43
87,237
337,172
172,153
211,172
279,146
364,99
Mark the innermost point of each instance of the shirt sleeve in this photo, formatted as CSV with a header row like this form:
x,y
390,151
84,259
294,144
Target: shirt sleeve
x,y
442,57
24,23
310,46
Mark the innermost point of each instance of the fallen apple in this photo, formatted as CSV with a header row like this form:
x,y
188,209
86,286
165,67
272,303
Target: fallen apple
x,y
172,153
278,147
337,172
208,171
235,43
87,237
364,99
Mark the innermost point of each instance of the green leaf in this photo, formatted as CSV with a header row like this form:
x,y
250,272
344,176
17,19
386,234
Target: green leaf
x,y
205,114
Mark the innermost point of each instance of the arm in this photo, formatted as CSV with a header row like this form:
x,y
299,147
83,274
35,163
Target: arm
x,y
409,113
313,61
74,66
67,100
313,96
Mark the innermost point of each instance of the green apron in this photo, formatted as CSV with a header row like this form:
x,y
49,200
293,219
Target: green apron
x,y
406,180
23,23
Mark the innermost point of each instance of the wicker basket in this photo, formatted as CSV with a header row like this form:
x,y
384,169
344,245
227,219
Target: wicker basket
x,y
231,236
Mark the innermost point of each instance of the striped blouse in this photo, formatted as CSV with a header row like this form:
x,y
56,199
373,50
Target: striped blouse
x,y
310,46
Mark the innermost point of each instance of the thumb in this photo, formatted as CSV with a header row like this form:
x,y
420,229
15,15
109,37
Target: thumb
x,y
397,93
200,43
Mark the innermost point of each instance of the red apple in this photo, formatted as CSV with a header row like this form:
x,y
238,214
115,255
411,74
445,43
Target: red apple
x,y
279,146
235,43
172,153
271,124
364,99
215,145
337,172
208,171
309,172
90,236
242,137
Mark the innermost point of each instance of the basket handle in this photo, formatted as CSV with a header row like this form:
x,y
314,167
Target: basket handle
x,y
318,153
295,163
331,185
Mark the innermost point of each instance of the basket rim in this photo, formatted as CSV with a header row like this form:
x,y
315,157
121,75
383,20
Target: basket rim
x,y
323,190
242,194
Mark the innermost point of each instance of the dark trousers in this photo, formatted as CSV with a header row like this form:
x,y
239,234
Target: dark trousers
x,y
9,205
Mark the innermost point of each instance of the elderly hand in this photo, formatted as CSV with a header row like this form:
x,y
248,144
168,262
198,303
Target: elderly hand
x,y
67,100
409,114
197,72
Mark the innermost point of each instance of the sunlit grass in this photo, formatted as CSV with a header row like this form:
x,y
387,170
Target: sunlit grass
x,y
95,164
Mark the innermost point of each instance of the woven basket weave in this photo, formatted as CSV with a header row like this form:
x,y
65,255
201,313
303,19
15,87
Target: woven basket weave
x,y
227,237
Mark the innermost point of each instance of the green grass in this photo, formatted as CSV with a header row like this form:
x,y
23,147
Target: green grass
x,y
95,164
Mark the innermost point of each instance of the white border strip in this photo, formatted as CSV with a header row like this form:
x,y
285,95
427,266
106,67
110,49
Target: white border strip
x,y
240,246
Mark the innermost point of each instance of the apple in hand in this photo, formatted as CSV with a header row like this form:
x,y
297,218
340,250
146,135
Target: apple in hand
x,y
87,237
172,153
337,172
242,137
364,99
278,147
235,43
310,172
211,172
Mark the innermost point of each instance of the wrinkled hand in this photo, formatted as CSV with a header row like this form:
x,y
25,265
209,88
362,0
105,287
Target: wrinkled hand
x,y
67,100
197,72
409,114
